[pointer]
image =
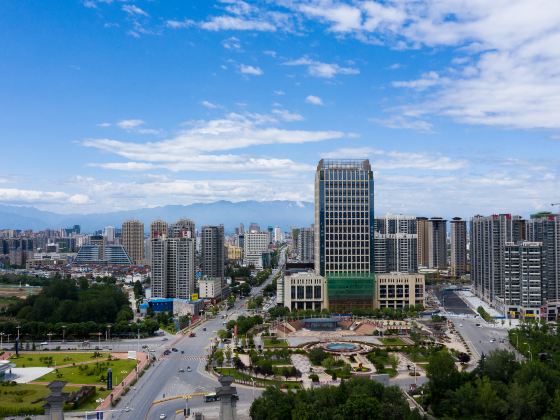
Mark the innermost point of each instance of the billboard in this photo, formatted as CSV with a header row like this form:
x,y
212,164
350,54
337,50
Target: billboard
x,y
194,296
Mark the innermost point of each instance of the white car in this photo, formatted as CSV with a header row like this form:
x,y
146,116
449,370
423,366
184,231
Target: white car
x,y
162,416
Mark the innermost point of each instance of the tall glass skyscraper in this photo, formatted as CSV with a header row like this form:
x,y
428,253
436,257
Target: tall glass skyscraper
x,y
344,232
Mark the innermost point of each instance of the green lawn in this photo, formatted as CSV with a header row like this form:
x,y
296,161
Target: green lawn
x,y
91,404
392,341
246,377
21,399
274,342
92,373
49,359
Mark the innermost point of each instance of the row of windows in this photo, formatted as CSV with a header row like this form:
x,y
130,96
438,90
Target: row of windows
x,y
347,244
306,292
348,267
347,222
342,175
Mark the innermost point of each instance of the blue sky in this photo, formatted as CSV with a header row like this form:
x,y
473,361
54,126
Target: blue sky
x,y
108,105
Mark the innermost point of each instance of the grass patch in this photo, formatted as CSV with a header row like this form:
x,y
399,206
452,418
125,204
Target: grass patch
x,y
168,328
275,342
53,359
24,399
383,362
91,404
246,377
392,341
485,315
92,373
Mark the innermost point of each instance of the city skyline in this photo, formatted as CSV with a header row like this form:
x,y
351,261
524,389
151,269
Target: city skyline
x,y
173,103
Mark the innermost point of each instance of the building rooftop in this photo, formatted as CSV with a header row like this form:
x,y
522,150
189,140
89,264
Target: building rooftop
x,y
360,164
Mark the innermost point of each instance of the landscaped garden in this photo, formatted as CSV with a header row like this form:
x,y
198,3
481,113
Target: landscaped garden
x,y
92,373
392,341
55,359
275,342
383,362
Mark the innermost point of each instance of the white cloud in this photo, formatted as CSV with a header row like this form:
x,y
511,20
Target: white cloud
x,y
286,115
251,70
319,69
427,80
224,23
125,166
131,9
505,69
404,122
231,43
314,100
17,196
130,124
382,159
104,125
179,24
279,92
209,105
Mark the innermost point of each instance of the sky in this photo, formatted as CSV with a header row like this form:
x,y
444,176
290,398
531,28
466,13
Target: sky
x,y
112,105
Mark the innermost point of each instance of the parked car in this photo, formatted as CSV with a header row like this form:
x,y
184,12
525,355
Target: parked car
x,y
192,334
188,369
181,370
174,349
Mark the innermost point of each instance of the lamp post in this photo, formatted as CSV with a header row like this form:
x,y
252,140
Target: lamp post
x,y
63,331
18,327
109,328
530,352
2,340
50,335
138,342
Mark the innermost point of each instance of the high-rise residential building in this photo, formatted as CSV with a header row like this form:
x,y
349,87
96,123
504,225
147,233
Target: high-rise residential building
x,y
212,250
133,240
344,223
278,234
109,234
178,228
255,244
99,241
159,228
241,228
306,245
432,242
545,228
524,277
254,228
459,262
487,248
173,264
423,227
398,244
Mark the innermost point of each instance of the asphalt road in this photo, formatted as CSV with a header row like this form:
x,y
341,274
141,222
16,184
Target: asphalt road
x,y
163,379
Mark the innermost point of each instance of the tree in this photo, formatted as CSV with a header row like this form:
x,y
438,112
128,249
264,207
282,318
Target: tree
x,y
443,375
138,290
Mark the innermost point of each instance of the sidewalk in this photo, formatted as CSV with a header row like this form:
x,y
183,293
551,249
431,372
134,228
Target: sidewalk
x,y
143,360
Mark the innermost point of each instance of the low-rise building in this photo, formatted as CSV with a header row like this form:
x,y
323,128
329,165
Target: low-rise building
x,y
303,290
398,290
210,288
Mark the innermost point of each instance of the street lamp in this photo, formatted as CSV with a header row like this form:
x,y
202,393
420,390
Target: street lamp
x,y
530,352
50,335
63,331
109,328
18,327
2,340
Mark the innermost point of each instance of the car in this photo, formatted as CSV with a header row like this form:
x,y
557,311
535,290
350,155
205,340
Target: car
x,y
204,329
492,340
478,325
182,351
460,325
167,352
164,339
181,370
188,369
192,334
127,409
162,416
174,349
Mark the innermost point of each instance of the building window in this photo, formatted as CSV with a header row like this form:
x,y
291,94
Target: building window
x,y
317,292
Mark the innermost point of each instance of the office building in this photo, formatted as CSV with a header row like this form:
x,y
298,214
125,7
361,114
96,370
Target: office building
x,y
278,234
422,228
399,290
255,244
234,253
304,290
212,251
396,223
133,240
524,271
489,236
344,223
159,228
102,254
116,254
254,228
306,245
459,261
173,263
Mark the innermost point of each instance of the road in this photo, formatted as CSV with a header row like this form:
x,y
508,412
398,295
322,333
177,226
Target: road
x,y
163,379
482,337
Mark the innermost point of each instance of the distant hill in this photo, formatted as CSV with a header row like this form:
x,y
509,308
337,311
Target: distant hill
x,y
273,213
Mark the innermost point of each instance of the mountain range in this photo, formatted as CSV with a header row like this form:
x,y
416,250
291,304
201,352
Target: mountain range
x,y
266,213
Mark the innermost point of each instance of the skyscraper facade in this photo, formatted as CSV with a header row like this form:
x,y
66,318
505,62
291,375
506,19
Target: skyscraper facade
x,y
212,250
396,237
306,245
489,234
459,262
344,232
432,242
422,228
178,228
133,240
159,228
254,245
545,228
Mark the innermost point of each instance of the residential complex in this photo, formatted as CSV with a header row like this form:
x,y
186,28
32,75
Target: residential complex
x,y
459,262
399,290
133,240
255,244
212,251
